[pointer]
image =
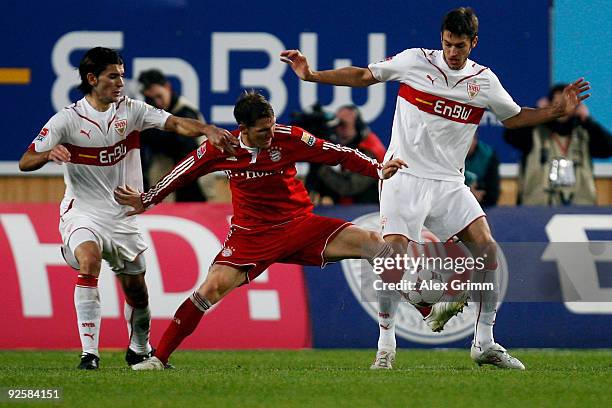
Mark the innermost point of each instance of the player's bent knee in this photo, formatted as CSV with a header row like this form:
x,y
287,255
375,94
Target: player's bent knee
x,y
221,280
89,264
399,243
375,238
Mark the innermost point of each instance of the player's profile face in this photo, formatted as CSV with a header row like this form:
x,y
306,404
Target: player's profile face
x,y
261,133
109,84
456,49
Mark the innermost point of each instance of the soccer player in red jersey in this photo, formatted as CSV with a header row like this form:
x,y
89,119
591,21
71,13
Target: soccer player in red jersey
x,y
273,219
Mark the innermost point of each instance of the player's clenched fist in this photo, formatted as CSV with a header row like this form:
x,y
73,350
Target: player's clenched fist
x,y
126,195
391,167
59,154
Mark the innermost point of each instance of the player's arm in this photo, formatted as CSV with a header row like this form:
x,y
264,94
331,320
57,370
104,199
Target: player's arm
x,y
201,161
33,160
573,94
314,150
346,76
47,145
218,137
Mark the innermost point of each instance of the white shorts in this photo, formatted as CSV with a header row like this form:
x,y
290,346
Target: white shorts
x,y
119,249
407,203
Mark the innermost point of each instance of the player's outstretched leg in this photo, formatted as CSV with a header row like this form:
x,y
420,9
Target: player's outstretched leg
x,y
136,311
87,298
484,348
221,280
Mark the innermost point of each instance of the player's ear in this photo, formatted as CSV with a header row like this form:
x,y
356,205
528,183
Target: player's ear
x,y
242,127
92,79
475,41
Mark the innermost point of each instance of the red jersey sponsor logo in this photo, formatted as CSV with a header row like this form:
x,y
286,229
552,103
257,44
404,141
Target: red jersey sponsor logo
x,y
439,106
472,89
120,126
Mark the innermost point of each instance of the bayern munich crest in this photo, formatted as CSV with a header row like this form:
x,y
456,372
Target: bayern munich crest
x,y
409,322
227,252
275,154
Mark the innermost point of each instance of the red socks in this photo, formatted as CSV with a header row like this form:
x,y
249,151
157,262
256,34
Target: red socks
x,y
186,319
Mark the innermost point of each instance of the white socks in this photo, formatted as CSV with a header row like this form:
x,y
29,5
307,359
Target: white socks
x,y
486,308
388,301
88,311
139,327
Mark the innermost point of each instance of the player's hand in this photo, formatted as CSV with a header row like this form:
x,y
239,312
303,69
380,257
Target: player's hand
x,y
573,94
126,195
391,167
59,154
221,138
298,63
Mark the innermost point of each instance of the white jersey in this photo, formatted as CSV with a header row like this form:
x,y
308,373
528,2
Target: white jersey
x,y
104,153
438,110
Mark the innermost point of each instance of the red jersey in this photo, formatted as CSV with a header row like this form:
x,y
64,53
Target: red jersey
x,y
263,184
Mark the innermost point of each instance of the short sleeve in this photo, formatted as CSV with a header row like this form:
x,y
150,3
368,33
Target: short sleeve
x,y
147,116
500,102
54,132
394,68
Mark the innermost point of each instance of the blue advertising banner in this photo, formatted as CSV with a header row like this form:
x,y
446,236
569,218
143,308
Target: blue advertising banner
x,y
214,50
556,280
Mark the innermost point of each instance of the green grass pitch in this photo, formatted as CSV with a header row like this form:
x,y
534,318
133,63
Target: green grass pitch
x,y
315,378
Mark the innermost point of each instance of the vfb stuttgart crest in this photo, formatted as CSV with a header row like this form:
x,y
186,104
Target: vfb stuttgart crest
x,y
472,89
120,126
409,322
275,154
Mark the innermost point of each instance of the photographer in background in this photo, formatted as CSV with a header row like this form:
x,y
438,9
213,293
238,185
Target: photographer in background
x,y
160,150
329,185
556,163
482,172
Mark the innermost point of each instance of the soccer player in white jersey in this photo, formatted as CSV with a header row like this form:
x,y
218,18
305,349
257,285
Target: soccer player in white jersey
x,y
97,140
441,98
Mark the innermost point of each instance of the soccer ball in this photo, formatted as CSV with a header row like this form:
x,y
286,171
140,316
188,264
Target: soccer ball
x,y
428,289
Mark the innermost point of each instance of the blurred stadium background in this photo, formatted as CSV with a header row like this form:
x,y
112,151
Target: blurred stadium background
x,y
212,51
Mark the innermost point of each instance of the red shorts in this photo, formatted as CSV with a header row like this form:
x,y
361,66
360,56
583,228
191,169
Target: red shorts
x,y
301,241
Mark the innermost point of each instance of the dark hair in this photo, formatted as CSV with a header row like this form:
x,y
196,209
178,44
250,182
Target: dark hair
x,y
554,89
250,107
152,77
461,21
95,61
